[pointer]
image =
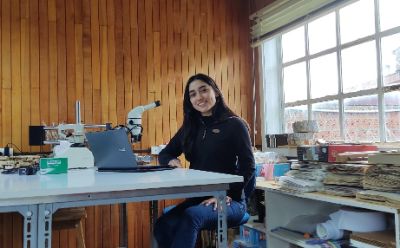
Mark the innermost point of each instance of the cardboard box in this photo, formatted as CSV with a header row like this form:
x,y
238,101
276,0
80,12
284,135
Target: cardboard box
x,y
53,165
333,150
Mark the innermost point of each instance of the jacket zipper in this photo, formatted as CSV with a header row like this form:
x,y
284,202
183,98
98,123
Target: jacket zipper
x,y
204,133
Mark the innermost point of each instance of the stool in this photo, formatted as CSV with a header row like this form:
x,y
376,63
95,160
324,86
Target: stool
x,y
71,218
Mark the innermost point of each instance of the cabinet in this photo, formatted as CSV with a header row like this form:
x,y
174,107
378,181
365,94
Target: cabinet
x,y
282,206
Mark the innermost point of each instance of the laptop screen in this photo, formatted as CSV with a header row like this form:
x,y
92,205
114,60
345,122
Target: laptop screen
x,y
111,149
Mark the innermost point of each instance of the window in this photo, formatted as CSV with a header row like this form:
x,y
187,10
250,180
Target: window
x,y
339,69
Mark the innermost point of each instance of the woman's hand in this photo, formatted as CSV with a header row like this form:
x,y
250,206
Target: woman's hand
x,y
213,201
175,162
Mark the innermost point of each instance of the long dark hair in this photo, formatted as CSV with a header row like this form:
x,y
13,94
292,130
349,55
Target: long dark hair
x,y
191,116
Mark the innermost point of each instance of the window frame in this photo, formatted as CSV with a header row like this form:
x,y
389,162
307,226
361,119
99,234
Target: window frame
x,y
380,90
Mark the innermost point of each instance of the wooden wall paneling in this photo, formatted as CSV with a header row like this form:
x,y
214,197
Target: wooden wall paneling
x,y
224,62
112,84
61,79
34,64
196,36
170,71
103,54
79,68
95,48
217,42
114,234
53,84
87,64
127,61
90,227
25,76
7,230
55,239
236,55
17,230
164,72
191,15
158,112
135,53
229,58
184,43
6,73
106,226
210,38
98,227
143,65
245,61
178,62
70,61
44,63
149,127
119,69
203,37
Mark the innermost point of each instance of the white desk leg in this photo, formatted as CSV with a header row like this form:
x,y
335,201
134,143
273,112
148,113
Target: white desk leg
x,y
45,213
222,224
30,214
153,218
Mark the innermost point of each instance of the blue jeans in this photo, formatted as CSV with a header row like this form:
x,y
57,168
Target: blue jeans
x,y
178,228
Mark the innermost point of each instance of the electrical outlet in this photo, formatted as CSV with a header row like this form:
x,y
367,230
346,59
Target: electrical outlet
x,y
2,151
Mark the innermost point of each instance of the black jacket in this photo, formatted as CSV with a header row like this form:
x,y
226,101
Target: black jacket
x,y
220,146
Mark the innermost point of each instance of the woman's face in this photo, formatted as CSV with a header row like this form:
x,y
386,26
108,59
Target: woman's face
x,y
202,96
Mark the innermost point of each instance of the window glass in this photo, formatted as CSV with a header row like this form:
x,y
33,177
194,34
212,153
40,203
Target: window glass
x,y
392,115
293,45
322,33
295,82
324,76
391,59
361,119
359,67
292,114
389,14
357,20
327,116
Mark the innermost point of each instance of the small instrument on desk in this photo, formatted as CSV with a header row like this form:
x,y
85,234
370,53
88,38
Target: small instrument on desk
x,y
69,141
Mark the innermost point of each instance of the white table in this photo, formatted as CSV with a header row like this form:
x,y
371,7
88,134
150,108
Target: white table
x,y
37,197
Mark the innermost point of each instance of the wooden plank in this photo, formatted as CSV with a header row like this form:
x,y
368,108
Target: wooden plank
x,y
44,105
217,43
90,226
203,37
17,227
87,65
25,81
95,47
166,133
16,90
106,225
62,64
53,91
112,87
224,72
229,47
79,70
104,74
6,72
115,225
142,64
55,239
196,36
34,64
103,13
135,53
171,71
126,50
148,138
70,60
236,56
157,88
119,64
210,38
64,239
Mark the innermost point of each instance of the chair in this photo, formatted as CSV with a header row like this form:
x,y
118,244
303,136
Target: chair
x,y
71,218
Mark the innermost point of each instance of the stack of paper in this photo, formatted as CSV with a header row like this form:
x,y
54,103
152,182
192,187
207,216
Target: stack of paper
x,y
373,239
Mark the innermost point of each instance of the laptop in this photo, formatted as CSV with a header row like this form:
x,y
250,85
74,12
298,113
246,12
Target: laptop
x,y
112,152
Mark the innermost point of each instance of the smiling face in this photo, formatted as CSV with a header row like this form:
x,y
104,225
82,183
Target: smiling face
x,y
202,96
